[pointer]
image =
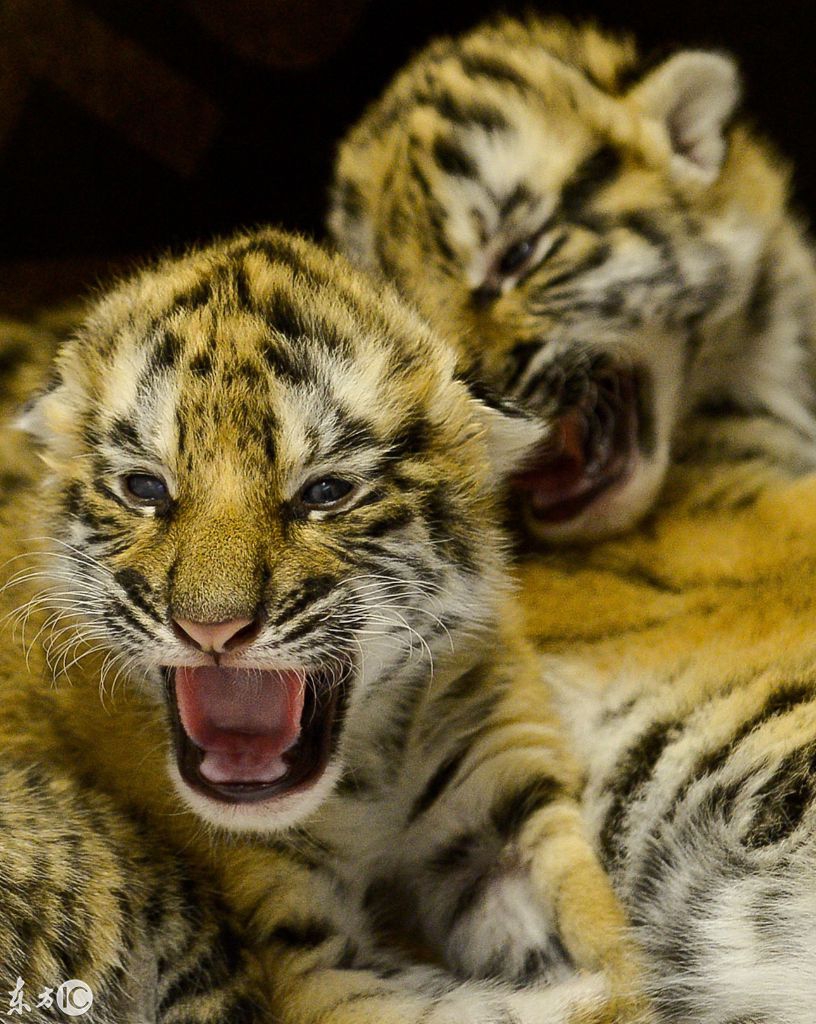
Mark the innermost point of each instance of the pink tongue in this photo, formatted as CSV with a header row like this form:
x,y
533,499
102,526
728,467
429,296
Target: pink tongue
x,y
243,719
562,473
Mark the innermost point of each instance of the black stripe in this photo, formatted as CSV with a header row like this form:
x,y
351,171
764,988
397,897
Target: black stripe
x,y
413,438
455,853
549,254
492,398
166,351
647,227
137,588
436,213
190,982
104,491
242,286
307,624
631,774
512,810
758,309
302,935
516,197
284,314
121,611
487,66
289,366
276,249
592,175
388,523
202,365
349,197
10,483
783,799
355,434
453,159
194,297
123,434
11,360
309,591
437,783
782,702
518,359
468,897
594,259
469,113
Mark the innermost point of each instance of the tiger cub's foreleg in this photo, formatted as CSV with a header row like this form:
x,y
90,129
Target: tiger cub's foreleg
x,y
325,965
510,887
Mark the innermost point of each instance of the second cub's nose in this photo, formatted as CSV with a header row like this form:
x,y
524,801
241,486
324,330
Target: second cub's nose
x,y
217,637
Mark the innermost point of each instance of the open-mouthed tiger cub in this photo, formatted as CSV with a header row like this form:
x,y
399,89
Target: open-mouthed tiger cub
x,y
270,507
604,242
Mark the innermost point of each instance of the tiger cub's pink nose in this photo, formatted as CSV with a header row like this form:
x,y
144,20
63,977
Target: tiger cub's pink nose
x,y
217,637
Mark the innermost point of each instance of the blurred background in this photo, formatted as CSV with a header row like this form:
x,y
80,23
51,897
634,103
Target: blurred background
x,y
131,126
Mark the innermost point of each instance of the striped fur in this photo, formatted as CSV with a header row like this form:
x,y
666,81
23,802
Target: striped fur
x,y
552,202
437,870
682,655
88,894
684,660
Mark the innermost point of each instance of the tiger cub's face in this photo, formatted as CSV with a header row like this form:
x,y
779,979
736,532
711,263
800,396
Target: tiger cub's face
x,y
552,211
274,501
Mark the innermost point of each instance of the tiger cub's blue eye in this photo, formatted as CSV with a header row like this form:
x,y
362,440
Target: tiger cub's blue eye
x,y
150,489
326,492
516,256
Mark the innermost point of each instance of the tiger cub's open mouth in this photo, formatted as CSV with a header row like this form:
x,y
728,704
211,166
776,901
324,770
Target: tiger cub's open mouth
x,y
595,447
244,735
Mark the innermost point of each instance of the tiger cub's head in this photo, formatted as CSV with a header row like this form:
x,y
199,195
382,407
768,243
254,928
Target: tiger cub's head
x,y
581,226
273,498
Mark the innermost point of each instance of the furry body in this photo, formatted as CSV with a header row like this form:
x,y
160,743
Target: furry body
x,y
656,232
235,381
686,664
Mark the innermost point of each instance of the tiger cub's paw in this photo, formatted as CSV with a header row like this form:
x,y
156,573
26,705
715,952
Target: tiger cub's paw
x,y
501,930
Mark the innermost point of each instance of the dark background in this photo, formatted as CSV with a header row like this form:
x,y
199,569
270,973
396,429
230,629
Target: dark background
x,y
128,126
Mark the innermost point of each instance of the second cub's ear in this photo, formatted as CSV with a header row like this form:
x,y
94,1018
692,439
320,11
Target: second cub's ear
x,y
693,96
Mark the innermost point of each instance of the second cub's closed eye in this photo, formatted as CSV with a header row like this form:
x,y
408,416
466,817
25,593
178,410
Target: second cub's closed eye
x,y
516,256
147,489
326,492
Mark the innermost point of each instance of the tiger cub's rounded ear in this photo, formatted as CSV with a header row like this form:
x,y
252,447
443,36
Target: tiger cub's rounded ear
x,y
47,417
512,434
692,95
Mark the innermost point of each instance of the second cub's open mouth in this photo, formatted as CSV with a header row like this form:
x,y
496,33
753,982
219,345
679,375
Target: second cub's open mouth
x,y
594,448
243,735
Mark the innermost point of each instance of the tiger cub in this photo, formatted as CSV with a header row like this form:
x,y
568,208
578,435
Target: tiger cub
x,y
683,654
269,532
605,242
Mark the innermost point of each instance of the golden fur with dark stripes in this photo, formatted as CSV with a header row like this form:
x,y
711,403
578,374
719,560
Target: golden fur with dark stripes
x,y
603,240
254,433
683,653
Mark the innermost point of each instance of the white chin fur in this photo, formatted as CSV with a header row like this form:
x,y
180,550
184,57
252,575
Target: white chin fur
x,y
263,817
613,512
